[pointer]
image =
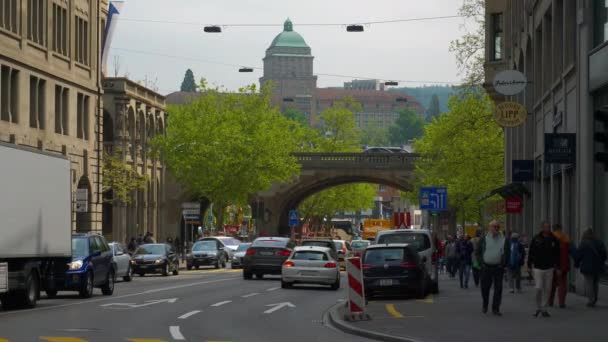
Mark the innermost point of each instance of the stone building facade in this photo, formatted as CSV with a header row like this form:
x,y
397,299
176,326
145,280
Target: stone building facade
x,y
50,82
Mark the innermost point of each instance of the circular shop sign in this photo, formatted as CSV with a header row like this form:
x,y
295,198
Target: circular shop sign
x,y
510,82
510,114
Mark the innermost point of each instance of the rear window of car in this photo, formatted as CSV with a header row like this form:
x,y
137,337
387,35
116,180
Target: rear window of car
x,y
317,243
360,244
243,247
382,255
309,255
269,243
419,241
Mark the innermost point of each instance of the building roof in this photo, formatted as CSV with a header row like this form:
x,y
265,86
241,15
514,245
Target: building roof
x,y
288,38
367,96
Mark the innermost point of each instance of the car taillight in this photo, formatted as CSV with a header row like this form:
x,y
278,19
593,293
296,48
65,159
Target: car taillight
x,y
288,264
250,251
284,252
331,265
408,264
366,266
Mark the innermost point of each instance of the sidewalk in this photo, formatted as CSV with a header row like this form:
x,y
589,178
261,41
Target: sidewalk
x,y
455,314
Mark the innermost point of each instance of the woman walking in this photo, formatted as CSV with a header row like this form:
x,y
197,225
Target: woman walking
x,y
590,258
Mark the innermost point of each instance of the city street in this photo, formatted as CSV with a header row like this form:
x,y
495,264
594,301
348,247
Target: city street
x,y
201,305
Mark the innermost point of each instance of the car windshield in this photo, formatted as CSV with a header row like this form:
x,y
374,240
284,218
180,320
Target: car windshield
x,y
269,243
80,248
420,242
317,243
231,242
360,244
150,249
204,246
309,255
382,255
243,247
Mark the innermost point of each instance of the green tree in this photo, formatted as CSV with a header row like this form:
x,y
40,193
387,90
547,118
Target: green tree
x,y
462,149
348,197
295,115
227,146
188,84
469,49
433,110
408,126
339,127
375,135
120,179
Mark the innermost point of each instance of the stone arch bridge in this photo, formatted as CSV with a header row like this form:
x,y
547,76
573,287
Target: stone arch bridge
x,y
324,170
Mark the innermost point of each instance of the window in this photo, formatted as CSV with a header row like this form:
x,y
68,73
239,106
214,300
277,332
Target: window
x,y
8,15
37,102
94,245
82,41
547,50
558,44
600,22
9,94
35,21
420,241
310,255
60,29
82,116
61,110
570,32
497,28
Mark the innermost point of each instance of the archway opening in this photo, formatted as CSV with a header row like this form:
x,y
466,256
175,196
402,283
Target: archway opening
x,y
83,216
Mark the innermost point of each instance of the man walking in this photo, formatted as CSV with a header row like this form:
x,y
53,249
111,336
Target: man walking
x,y
465,250
452,258
491,253
544,261
516,254
560,280
590,258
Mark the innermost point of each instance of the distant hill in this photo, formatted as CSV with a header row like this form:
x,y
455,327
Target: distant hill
x,y
424,94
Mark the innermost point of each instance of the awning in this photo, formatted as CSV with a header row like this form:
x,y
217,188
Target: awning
x,y
509,190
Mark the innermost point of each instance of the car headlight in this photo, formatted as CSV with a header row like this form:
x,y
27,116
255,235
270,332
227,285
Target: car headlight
x,y
234,258
212,253
133,262
158,261
75,265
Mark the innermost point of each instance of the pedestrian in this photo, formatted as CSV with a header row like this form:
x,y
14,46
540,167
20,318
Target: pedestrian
x,y
140,240
438,252
516,254
491,253
590,258
465,252
560,279
451,253
544,262
476,264
132,246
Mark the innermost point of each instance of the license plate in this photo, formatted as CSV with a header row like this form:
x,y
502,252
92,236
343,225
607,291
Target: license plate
x,y
266,253
309,273
386,282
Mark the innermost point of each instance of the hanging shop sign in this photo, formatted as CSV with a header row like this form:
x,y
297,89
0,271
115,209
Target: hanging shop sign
x,y
510,82
510,114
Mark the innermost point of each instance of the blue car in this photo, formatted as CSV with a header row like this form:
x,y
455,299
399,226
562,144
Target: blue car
x,y
91,266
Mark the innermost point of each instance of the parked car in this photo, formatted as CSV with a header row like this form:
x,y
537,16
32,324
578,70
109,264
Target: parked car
x,y
329,243
419,239
155,258
343,248
358,247
122,261
239,254
394,269
266,255
311,265
91,266
230,244
207,253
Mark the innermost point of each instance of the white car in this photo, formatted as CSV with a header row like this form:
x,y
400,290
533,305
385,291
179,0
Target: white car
x,y
229,244
122,261
311,265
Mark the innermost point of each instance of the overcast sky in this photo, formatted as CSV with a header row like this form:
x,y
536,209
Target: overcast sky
x,y
415,51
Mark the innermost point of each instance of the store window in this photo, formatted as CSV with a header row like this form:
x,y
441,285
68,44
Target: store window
x,y
497,33
600,22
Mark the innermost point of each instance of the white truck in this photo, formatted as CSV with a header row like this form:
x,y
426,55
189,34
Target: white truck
x,y
35,221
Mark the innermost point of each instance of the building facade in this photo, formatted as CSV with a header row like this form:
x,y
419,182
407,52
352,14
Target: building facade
x,y
561,46
132,116
50,82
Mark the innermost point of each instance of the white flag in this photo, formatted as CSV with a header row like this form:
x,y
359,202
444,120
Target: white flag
x,y
113,12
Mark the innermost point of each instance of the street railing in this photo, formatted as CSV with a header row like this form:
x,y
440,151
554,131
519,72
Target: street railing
x,y
397,161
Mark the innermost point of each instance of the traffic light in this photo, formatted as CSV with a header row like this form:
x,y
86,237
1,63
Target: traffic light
x,y
601,136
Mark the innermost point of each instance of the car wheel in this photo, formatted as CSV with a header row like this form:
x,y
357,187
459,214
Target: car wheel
x,y
189,267
86,288
108,288
335,286
197,267
421,290
435,287
51,293
259,275
224,263
129,275
166,270
217,264
247,275
176,270
285,285
141,274
29,296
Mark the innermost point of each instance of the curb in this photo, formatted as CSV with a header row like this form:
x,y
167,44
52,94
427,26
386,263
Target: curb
x,y
333,319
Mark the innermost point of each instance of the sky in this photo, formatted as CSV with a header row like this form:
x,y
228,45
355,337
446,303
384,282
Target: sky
x,y
160,52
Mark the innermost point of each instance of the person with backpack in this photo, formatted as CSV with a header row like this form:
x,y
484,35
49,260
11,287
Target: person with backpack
x,y
590,259
516,254
544,262
560,279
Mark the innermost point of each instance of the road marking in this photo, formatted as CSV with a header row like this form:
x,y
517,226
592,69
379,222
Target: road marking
x,y
273,288
117,297
175,333
391,309
221,303
62,339
144,340
186,315
278,306
246,296
147,303
428,299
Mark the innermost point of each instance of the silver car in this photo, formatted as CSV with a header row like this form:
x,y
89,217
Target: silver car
x,y
311,265
122,261
358,247
239,254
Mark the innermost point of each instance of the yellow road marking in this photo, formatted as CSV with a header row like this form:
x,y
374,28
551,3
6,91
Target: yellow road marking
x,y
62,339
391,309
428,299
4,340
144,340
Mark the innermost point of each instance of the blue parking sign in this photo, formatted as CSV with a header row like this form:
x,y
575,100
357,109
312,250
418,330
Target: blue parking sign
x,y
434,198
294,218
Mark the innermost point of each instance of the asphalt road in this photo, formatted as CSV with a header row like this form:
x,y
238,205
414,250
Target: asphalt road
x,y
201,305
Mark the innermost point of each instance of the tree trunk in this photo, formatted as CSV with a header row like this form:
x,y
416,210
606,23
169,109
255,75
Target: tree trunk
x,y
220,210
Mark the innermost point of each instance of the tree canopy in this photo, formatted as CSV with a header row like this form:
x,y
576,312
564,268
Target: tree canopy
x,y
375,135
188,84
295,115
120,179
469,49
408,126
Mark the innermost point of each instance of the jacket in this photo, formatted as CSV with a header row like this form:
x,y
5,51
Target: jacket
x,y
482,248
465,250
591,257
544,252
522,254
564,251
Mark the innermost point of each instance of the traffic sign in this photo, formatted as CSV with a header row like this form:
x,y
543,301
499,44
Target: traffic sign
x,y
294,218
434,198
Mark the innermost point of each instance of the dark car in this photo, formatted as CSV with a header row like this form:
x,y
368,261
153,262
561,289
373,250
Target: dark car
x,y
239,254
91,266
329,243
395,270
266,256
155,258
207,253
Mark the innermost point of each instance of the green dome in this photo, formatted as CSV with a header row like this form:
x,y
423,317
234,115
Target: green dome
x,y
288,38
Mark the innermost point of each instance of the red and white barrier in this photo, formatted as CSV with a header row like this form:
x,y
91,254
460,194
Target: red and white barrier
x,y
356,289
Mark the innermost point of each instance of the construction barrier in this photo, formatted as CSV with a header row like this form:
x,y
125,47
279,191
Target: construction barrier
x,y
356,291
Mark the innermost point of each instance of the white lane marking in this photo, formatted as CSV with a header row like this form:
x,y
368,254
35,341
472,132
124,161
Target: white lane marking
x,y
175,333
186,315
273,288
148,302
278,306
221,303
116,297
250,295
